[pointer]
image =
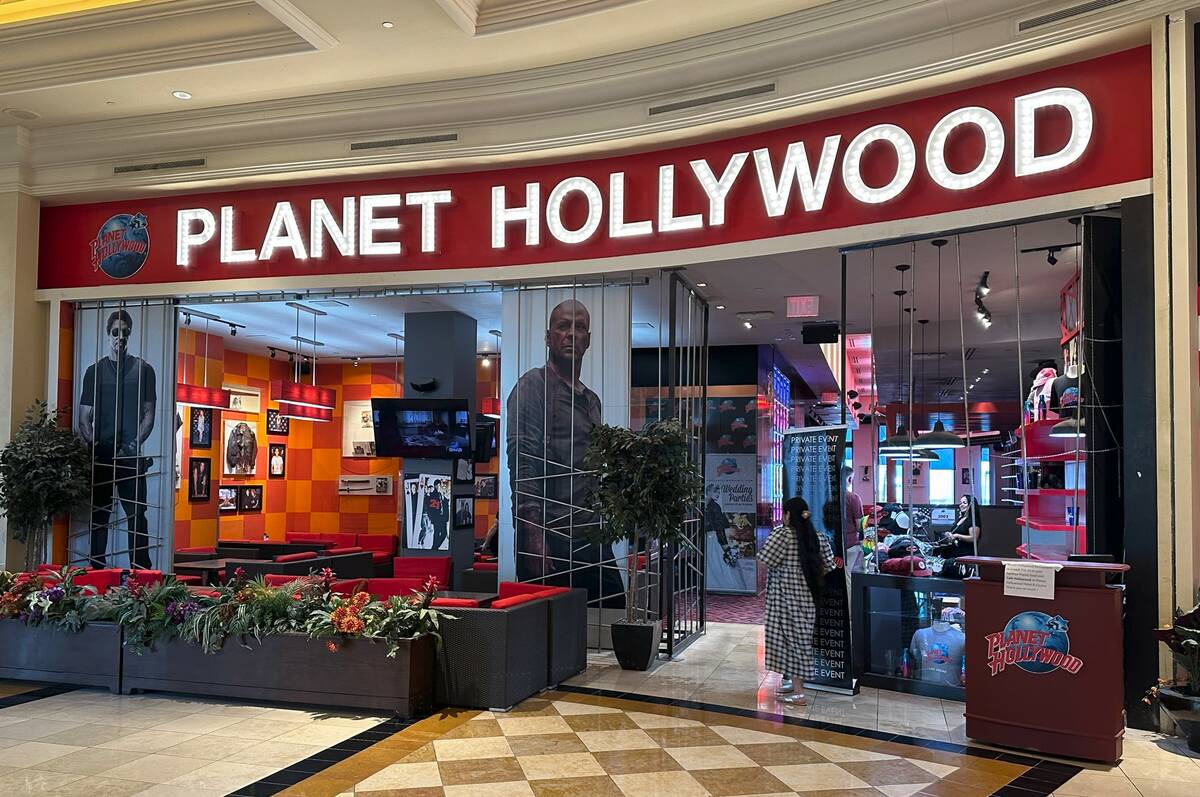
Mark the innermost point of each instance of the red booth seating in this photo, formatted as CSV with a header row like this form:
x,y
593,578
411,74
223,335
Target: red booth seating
x,y
382,548
566,643
211,549
145,578
511,589
188,580
102,580
332,538
296,557
423,567
347,549
486,567
453,603
383,588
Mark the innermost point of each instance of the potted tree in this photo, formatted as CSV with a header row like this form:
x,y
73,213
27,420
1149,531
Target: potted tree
x,y
45,470
646,488
1181,701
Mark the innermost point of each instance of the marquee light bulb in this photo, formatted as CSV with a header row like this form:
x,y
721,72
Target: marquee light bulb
x,y
617,226
993,148
775,192
718,189
667,220
906,163
185,239
321,221
528,213
367,245
554,203
228,253
1026,107
428,202
283,231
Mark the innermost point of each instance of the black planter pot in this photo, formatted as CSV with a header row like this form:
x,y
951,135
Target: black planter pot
x,y
636,644
291,668
1184,711
90,657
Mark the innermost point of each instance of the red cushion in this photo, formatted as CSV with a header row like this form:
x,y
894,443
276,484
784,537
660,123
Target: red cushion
x,y
146,577
423,567
488,567
312,539
343,551
378,557
508,589
460,602
102,580
296,557
349,586
377,542
188,579
197,549
515,600
387,587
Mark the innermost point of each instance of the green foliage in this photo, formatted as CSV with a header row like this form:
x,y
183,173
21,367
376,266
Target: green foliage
x,y
391,620
244,608
44,470
647,484
153,614
62,605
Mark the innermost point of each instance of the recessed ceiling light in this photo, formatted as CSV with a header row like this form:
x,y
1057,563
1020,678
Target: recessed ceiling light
x,y
747,325
701,284
720,307
389,24
181,95
22,114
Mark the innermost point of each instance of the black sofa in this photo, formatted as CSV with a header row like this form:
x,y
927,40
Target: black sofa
x,y
493,658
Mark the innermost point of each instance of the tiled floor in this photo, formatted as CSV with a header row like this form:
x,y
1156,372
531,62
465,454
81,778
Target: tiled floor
x,y
705,724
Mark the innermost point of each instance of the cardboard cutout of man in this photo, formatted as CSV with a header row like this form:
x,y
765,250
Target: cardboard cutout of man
x,y
116,416
551,414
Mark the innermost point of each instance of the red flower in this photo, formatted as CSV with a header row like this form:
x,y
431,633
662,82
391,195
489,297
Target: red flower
x,y
331,646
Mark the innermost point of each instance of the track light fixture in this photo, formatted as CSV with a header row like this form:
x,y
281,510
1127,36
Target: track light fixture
x,y
851,394
982,289
232,331
982,313
272,352
1052,255
187,319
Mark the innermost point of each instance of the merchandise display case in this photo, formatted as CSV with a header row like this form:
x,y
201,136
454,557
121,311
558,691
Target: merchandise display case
x,y
909,634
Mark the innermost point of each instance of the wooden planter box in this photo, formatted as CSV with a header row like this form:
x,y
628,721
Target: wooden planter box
x,y
291,668
91,657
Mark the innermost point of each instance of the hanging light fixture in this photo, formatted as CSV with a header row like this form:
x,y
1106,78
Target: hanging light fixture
x,y
189,395
939,437
490,406
304,402
902,440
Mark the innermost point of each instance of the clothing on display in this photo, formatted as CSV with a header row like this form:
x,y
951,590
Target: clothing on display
x,y
938,652
1064,396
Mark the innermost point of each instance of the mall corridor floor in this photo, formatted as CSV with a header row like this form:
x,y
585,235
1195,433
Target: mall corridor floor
x,y
707,724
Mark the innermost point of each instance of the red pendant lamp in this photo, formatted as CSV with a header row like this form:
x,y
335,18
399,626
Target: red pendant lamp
x,y
190,395
305,413
305,402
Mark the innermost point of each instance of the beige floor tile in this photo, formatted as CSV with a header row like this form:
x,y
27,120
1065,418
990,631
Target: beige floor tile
x,y
647,721
259,728
165,790
1091,784
816,777
735,735
1178,769
271,753
837,752
511,789
208,747
533,726
222,776
30,782
197,723
403,776
100,787
566,765
934,768
155,768
716,757
147,741
606,741
568,708
30,754
325,735
903,790
660,784
33,729
1164,788
919,731
89,735
1159,749
462,749
89,761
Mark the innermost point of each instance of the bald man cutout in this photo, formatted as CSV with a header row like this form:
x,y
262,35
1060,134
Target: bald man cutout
x,y
550,417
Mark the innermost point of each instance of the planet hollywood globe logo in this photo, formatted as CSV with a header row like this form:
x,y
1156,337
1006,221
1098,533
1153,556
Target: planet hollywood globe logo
x,y
1034,642
121,246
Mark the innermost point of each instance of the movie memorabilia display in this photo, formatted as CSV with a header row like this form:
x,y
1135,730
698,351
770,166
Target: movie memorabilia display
x,y
200,428
227,499
241,449
353,484
464,512
464,471
123,411
485,486
276,460
250,498
427,503
278,424
199,478
358,429
812,470
243,398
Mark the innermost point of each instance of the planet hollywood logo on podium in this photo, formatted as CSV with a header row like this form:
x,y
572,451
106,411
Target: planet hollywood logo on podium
x,y
121,246
1034,642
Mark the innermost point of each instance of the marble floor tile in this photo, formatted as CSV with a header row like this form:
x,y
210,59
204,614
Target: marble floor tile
x,y
37,728
715,757
89,761
564,765
222,776
148,741
31,754
659,784
30,782
154,768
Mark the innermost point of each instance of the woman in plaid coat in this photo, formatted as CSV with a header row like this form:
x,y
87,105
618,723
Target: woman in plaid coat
x,y
797,558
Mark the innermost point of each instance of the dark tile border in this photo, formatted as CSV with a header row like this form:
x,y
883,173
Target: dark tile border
x,y
319,762
32,695
1042,779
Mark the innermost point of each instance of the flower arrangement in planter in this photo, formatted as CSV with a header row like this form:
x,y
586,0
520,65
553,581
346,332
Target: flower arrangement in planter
x,y
388,620
1181,701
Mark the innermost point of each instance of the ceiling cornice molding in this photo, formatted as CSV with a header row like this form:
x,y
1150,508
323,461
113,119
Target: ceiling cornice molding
x,y
512,116
486,17
301,23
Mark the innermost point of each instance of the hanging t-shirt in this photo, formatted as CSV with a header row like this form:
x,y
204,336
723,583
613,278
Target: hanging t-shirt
x,y
939,654
1064,396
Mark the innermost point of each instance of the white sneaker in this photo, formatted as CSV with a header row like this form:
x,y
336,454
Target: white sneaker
x,y
785,687
795,700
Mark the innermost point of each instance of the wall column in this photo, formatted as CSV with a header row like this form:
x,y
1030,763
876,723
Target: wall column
x,y
23,320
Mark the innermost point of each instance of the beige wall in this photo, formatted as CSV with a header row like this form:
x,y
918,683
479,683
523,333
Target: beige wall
x,y
23,327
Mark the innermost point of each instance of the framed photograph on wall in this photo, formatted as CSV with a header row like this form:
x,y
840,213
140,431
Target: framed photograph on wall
x,y
241,449
200,428
250,498
199,478
278,424
243,398
227,499
276,460
358,429
464,512
485,486
464,471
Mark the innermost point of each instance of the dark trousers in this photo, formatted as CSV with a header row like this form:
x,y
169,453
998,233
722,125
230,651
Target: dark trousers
x,y
587,573
126,476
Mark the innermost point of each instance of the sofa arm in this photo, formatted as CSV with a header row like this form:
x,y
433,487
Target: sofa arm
x,y
493,658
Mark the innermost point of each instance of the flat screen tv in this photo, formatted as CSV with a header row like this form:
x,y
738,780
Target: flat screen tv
x,y
424,428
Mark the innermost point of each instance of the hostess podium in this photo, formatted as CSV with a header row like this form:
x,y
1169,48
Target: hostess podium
x,y
1046,674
